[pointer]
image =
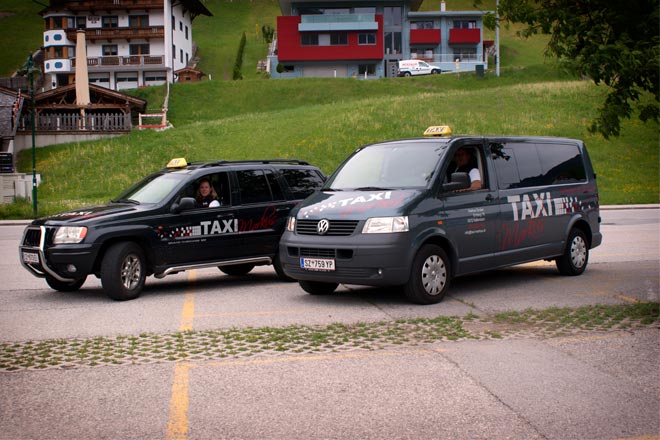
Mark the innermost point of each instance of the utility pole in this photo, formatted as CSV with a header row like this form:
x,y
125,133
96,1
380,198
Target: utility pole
x,y
30,69
497,38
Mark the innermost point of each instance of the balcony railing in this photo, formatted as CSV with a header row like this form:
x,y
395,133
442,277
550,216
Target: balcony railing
x,y
130,60
119,33
110,5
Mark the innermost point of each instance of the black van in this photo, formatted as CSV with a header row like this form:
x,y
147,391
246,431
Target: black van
x,y
417,212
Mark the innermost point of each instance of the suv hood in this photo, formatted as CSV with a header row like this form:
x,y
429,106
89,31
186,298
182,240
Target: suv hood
x,y
87,213
357,204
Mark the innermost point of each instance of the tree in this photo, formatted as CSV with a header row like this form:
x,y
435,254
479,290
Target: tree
x,y
613,42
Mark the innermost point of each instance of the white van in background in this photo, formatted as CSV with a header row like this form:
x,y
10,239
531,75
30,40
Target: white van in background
x,y
416,67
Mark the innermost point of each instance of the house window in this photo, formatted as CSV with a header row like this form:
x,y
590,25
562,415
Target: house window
x,y
138,21
367,39
174,52
339,39
173,23
181,26
421,25
465,54
181,55
309,39
369,69
187,59
186,32
109,50
392,42
392,16
139,49
81,22
465,24
110,21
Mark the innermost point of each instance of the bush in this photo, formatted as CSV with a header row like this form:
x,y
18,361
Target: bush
x,y
238,64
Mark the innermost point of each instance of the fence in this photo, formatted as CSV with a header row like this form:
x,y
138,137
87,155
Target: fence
x,y
74,122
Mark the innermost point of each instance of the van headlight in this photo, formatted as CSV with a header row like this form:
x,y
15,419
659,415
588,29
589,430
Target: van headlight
x,y
291,224
385,225
70,234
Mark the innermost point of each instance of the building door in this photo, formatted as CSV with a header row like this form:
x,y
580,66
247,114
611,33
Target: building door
x,y
391,68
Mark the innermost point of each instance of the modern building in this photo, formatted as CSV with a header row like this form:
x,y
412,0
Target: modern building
x,y
366,38
130,43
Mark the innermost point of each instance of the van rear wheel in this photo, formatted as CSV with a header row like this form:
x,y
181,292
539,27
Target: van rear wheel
x,y
429,277
576,255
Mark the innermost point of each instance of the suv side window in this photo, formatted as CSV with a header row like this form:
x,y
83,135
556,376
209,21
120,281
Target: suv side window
x,y
302,182
253,186
275,188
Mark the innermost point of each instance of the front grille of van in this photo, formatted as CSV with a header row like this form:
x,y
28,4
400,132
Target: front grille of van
x,y
337,227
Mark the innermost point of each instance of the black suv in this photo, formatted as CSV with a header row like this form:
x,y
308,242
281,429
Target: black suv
x,y
162,225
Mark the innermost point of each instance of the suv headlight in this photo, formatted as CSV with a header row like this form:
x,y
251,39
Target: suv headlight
x,y
385,225
70,234
291,224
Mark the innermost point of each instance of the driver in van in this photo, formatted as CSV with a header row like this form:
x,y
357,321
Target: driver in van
x,y
206,195
465,162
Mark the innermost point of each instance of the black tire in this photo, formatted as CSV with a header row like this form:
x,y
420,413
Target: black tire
x,y
123,271
429,276
406,73
237,270
576,255
435,72
317,288
62,286
277,265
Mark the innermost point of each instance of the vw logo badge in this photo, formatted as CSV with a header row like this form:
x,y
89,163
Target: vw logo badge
x,y
322,227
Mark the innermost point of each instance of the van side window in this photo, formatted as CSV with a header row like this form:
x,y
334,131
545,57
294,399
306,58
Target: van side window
x,y
562,163
522,165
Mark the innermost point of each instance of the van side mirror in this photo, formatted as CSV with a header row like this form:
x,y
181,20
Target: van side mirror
x,y
458,181
184,204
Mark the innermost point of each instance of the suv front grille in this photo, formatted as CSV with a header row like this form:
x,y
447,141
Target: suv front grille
x,y
337,227
32,237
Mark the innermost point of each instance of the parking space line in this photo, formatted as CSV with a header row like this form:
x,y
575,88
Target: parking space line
x,y
611,295
177,423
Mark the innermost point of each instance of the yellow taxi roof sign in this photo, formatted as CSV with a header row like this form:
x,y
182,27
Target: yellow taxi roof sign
x,y
438,130
178,162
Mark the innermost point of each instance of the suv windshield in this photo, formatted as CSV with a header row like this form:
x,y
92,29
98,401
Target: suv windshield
x,y
392,166
152,189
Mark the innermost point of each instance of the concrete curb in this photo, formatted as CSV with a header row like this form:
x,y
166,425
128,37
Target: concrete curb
x,y
603,208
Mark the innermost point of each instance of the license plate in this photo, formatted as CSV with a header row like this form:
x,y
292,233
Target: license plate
x,y
322,264
31,257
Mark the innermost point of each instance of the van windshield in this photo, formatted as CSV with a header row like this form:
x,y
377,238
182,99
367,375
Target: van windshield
x,y
388,166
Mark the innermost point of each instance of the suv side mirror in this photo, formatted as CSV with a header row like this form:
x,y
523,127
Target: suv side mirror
x,y
458,181
184,204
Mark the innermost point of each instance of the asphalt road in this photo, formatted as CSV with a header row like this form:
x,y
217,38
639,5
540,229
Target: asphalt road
x,y
594,386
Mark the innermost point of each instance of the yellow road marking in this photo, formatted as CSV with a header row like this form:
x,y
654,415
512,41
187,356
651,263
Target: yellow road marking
x,y
612,295
590,338
177,424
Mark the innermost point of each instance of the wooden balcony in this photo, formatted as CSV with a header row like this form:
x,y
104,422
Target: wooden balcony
x,y
119,61
110,34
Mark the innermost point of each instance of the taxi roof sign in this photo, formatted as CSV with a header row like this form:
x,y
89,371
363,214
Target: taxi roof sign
x,y
438,130
178,162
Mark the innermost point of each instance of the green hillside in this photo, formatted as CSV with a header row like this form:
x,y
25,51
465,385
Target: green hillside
x,y
323,120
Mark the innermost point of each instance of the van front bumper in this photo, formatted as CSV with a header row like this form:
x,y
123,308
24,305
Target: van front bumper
x,y
363,259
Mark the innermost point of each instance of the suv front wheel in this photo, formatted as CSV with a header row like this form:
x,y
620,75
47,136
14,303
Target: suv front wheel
x,y
123,271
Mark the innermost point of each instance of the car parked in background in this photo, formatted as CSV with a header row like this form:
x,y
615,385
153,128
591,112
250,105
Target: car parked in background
x,y
161,227
417,67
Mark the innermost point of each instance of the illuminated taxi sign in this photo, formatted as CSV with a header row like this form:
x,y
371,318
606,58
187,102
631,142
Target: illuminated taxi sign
x,y
438,130
178,162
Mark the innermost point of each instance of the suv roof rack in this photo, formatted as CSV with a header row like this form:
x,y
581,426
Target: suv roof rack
x,y
235,162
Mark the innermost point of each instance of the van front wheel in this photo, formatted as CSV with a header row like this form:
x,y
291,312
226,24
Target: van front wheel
x,y
576,255
429,277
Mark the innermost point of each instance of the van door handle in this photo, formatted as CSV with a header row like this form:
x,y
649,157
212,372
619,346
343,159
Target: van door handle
x,y
489,197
